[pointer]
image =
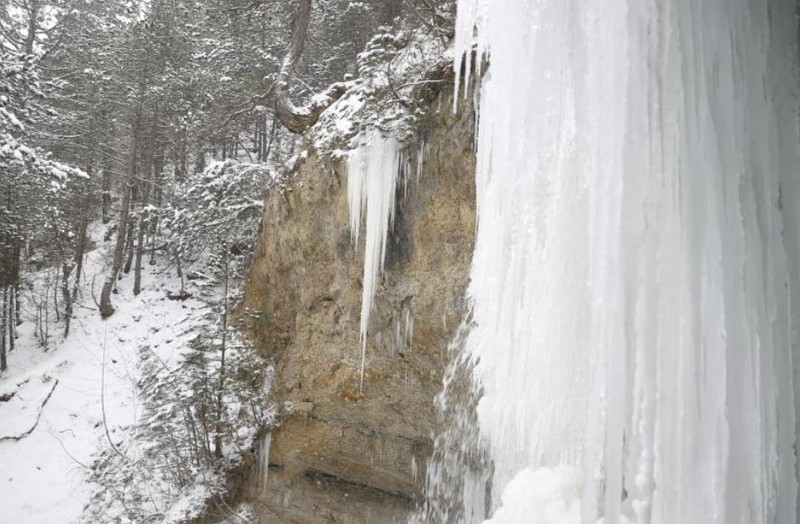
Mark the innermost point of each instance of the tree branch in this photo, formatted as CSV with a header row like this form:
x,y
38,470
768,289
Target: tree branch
x,y
38,417
298,119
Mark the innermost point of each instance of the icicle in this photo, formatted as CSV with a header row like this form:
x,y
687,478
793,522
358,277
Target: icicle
x,y
421,148
468,19
372,170
408,334
263,461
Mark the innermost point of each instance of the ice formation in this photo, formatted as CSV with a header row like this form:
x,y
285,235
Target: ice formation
x,y
372,170
262,463
544,496
636,276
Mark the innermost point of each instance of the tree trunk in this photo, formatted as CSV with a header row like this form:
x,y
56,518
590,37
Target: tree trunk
x,y
200,161
12,329
131,232
257,136
271,137
149,167
262,144
66,292
179,272
107,192
55,294
46,330
180,157
33,15
137,272
391,10
158,181
80,248
3,361
298,119
16,305
221,386
106,309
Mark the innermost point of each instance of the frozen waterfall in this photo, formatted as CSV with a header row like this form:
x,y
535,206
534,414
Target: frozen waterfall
x,y
636,277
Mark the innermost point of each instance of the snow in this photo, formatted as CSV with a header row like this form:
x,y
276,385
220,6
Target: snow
x,y
636,276
186,507
545,496
27,396
44,475
381,96
372,170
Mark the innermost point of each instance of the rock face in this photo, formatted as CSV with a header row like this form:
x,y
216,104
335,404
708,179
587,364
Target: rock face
x,y
340,454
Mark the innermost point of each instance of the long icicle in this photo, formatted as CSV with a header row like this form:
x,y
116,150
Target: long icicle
x,y
372,170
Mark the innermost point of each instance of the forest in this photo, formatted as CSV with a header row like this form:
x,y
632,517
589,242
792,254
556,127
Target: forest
x,y
139,138
111,108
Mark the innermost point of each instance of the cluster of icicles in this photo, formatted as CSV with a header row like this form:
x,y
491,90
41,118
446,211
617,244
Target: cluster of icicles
x,y
636,276
372,172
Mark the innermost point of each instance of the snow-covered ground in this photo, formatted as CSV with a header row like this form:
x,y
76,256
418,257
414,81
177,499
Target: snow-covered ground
x,y
81,392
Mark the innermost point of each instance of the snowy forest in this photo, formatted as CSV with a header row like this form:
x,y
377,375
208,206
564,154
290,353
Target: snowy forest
x,y
139,139
399,261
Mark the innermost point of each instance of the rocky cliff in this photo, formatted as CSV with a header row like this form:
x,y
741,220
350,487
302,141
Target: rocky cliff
x,y
341,454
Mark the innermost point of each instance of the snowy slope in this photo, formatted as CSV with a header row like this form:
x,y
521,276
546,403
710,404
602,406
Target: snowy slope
x,y
44,474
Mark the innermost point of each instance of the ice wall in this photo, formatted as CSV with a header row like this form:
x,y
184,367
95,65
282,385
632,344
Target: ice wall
x,y
636,277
